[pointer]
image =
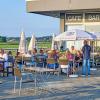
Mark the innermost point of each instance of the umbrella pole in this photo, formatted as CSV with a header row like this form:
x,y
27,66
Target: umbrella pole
x,y
93,54
93,64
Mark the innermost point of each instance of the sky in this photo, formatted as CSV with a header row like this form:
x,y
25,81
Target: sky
x,y
14,19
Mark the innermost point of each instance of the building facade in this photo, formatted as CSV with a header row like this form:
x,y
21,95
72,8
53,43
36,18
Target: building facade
x,y
81,14
73,14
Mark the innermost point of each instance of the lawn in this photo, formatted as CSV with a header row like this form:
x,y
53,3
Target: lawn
x,y
14,45
8,45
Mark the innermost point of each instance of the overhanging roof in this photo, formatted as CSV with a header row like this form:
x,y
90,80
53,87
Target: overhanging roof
x,y
55,7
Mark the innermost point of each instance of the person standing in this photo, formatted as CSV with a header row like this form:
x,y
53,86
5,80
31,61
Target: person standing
x,y
86,49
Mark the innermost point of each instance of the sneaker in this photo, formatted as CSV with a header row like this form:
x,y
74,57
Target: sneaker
x,y
83,75
89,75
0,82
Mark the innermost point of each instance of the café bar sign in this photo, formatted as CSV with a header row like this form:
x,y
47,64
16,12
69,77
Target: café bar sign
x,y
89,17
92,17
74,17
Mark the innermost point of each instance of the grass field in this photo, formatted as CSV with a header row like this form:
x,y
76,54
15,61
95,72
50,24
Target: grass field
x,y
16,44
8,45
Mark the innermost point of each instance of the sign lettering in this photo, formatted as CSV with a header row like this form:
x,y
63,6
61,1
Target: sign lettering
x,y
89,17
92,17
74,17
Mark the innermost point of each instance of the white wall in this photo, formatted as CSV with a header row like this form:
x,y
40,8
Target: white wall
x,y
78,44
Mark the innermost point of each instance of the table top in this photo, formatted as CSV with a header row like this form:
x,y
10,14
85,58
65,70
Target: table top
x,y
38,69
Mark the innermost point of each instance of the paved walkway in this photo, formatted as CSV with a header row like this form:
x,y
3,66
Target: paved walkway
x,y
81,88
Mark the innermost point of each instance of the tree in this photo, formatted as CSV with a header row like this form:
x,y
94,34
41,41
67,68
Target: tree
x,y
3,39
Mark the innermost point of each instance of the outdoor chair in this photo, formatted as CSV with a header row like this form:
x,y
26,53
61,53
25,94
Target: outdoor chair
x,y
76,67
10,68
18,74
19,62
52,64
28,61
63,62
18,58
2,67
41,60
97,61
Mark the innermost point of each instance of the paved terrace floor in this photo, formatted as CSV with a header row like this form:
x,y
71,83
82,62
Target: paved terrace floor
x,y
62,88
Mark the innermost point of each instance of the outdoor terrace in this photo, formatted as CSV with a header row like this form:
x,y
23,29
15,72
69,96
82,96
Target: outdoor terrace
x,y
87,88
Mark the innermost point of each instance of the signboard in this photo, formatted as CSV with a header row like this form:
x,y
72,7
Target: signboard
x,y
92,17
74,17
78,17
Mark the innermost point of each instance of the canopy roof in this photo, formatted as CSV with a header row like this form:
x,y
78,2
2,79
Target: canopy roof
x,y
97,35
75,35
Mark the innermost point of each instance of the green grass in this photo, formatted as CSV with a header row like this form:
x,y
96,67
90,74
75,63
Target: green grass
x,y
8,45
44,45
15,45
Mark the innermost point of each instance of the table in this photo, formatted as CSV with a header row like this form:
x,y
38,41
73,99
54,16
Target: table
x,y
39,70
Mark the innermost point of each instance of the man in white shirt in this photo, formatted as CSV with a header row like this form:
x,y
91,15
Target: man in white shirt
x,y
5,57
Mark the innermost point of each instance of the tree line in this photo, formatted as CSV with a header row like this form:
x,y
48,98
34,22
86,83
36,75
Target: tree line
x,y
3,39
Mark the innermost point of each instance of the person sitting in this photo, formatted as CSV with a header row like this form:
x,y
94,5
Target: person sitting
x,y
49,54
41,52
46,53
5,57
70,58
78,58
10,56
10,63
61,48
73,50
18,60
18,53
41,58
1,62
55,46
34,52
1,54
53,54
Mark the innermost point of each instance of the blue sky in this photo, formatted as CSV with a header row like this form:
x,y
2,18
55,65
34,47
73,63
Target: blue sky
x,y
14,19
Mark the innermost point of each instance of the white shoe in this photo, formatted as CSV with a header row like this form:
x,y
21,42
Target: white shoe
x,y
89,75
83,75
0,82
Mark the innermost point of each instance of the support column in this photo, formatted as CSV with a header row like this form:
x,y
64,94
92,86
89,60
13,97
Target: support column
x,y
62,22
